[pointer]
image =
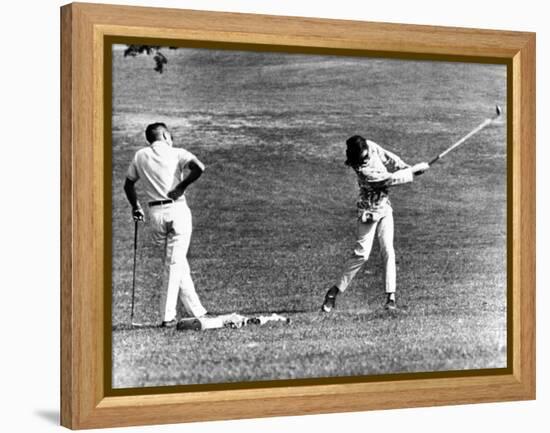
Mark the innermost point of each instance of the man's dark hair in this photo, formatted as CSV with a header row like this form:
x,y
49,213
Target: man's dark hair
x,y
355,146
154,131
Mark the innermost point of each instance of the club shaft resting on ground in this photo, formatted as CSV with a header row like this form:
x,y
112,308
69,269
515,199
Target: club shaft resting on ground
x,y
474,131
136,227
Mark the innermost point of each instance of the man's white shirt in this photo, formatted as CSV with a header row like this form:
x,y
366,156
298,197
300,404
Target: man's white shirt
x,y
160,167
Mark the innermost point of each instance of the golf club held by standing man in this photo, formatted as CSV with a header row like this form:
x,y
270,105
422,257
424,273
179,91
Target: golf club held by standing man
x,y
164,173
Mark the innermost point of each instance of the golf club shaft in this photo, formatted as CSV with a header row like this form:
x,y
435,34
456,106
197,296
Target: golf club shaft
x,y
136,226
463,139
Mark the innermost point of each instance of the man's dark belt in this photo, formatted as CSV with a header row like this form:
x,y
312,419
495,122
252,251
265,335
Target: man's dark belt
x,y
160,202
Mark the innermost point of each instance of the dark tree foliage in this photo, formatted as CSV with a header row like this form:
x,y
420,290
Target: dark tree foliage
x,y
149,50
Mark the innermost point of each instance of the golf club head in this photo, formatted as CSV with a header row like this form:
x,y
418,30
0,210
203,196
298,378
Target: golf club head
x,y
142,325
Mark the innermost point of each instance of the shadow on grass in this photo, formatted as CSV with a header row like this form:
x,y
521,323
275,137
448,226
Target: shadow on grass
x,y
378,313
364,315
129,326
119,327
246,312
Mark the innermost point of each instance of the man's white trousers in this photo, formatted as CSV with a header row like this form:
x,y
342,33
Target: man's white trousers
x,y
172,227
366,231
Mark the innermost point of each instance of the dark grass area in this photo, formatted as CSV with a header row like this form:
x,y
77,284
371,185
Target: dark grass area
x,y
274,216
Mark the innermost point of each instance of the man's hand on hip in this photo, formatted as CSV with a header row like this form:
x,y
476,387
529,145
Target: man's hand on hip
x,y
196,168
176,193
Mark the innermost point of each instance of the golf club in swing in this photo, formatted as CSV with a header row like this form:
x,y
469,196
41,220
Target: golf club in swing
x,y
474,131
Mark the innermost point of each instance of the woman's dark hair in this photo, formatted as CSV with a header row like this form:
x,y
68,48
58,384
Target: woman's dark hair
x,y
355,146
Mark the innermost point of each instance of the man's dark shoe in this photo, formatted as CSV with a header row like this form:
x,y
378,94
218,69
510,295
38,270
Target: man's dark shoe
x,y
170,324
390,302
330,299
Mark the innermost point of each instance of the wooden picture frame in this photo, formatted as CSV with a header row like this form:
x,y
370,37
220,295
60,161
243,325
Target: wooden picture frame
x,y
84,27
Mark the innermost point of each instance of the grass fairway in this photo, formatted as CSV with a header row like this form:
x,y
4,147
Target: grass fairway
x,y
274,216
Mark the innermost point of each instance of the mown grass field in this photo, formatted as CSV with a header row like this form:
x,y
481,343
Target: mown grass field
x,y
274,216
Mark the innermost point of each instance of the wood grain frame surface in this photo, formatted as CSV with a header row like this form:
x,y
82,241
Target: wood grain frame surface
x,y
84,29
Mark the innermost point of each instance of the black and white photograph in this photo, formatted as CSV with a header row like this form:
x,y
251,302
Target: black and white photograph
x,y
283,216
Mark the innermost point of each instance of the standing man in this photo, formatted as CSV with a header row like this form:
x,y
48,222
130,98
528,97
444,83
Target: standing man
x,y
376,170
161,169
